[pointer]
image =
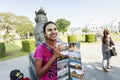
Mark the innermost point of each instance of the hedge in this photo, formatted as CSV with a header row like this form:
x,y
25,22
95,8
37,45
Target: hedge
x,y
90,38
28,45
2,50
72,38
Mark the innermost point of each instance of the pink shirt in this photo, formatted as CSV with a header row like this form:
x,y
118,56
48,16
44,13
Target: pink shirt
x,y
43,53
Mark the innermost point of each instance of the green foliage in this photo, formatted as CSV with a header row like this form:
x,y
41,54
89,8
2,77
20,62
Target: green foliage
x,y
28,45
13,50
90,38
8,38
72,38
24,26
7,21
62,24
85,30
2,50
20,24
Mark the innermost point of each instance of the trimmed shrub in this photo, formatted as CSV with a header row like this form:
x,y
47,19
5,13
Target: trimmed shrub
x,y
2,50
90,38
72,38
28,45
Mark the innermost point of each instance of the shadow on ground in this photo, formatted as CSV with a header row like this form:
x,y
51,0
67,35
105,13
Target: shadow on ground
x,y
93,71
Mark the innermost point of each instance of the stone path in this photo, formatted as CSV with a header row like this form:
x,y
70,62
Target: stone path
x,y
92,58
20,63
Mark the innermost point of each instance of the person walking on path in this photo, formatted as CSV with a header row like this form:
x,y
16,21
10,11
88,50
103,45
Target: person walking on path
x,y
46,59
107,44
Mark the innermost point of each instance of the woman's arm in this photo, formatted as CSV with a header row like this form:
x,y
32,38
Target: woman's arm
x,y
40,71
112,42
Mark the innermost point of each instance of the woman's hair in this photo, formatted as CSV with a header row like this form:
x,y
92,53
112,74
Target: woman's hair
x,y
45,25
105,33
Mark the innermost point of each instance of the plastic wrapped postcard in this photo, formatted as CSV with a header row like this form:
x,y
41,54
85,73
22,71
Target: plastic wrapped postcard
x,y
69,65
75,64
63,63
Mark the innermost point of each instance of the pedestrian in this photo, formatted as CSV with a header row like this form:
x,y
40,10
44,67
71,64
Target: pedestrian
x,y
107,44
46,54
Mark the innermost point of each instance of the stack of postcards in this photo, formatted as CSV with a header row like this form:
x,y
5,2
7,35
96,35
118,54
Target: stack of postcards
x,y
69,66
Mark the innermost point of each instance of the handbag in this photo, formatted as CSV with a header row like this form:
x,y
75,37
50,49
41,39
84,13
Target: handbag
x,y
113,51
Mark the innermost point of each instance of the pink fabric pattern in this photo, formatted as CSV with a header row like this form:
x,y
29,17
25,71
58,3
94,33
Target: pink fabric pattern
x,y
43,53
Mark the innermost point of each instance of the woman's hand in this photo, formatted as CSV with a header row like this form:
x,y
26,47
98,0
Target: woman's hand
x,y
57,51
112,47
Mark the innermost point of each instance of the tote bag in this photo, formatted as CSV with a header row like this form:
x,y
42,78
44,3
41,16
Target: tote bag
x,y
113,51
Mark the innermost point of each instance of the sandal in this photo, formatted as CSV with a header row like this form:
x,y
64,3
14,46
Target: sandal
x,y
109,67
105,69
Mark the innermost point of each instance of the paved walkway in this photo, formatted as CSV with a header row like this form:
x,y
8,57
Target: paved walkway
x,y
91,60
92,57
20,63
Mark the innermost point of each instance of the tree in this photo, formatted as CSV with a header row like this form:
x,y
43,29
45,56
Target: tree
x,y
62,24
85,30
7,21
20,24
24,26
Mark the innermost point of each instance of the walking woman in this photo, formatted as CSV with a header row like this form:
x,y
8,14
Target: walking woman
x,y
107,44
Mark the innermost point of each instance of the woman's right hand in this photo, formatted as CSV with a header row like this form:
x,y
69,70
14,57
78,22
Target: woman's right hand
x,y
112,47
56,53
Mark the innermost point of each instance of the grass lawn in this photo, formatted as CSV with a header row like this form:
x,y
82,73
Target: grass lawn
x,y
13,50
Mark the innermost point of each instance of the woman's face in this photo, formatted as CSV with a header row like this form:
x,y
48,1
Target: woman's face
x,y
51,32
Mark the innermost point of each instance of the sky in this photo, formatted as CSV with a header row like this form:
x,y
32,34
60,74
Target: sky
x,y
78,12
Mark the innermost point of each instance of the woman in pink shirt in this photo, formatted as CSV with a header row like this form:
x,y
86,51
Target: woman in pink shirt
x,y
46,54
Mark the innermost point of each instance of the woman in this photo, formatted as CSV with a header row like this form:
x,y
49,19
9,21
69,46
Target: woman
x,y
46,54
107,44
